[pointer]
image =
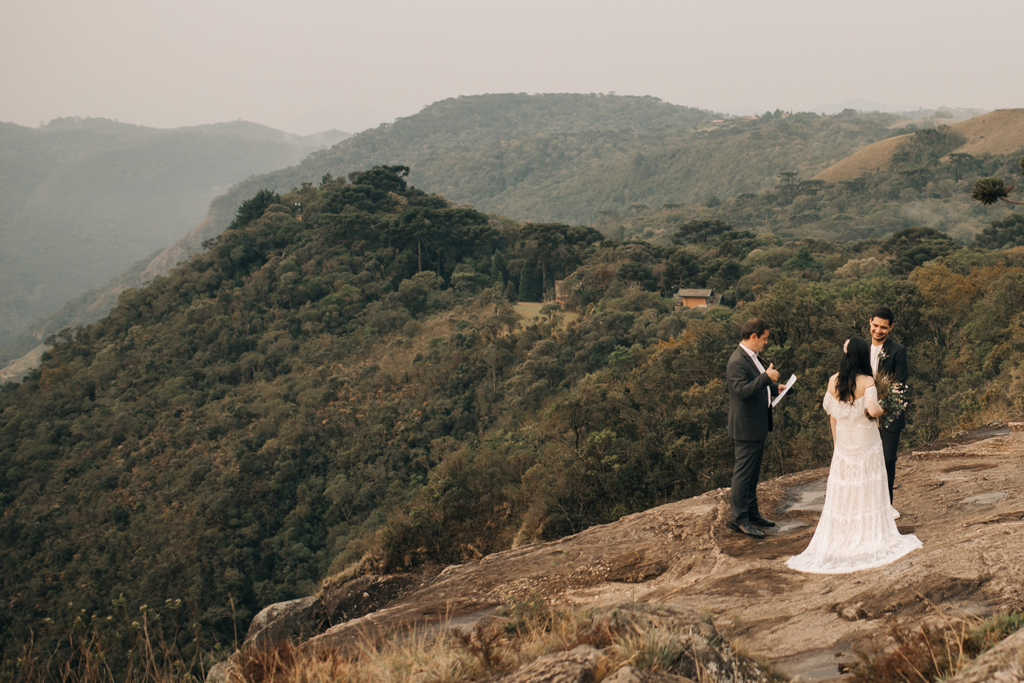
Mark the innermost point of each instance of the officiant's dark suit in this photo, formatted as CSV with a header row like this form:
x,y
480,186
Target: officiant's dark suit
x,y
894,363
750,420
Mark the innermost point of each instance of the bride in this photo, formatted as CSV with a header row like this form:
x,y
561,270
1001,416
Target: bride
x,y
856,530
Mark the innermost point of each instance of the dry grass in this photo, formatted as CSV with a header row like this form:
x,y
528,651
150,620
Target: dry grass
x,y
935,651
876,156
492,647
132,652
997,132
431,655
532,311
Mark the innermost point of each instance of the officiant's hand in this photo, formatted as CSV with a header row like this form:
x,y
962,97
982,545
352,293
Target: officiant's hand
x,y
772,373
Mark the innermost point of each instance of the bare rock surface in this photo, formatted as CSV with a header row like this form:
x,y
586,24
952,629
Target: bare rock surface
x,y
963,498
629,674
575,666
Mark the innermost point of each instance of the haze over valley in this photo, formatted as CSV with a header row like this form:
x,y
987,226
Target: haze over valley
x,y
84,199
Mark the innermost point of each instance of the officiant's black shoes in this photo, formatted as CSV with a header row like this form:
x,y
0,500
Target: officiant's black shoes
x,y
746,528
761,521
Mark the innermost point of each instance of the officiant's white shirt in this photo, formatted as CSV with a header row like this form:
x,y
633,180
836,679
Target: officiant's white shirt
x,y
757,362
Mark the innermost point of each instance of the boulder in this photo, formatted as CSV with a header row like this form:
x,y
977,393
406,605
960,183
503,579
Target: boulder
x,y
575,666
294,620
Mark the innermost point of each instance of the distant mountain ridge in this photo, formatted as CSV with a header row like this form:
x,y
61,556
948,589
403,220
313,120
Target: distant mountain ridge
x,y
82,199
553,157
559,157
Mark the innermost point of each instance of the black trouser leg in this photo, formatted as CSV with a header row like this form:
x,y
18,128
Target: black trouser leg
x,y
890,444
745,473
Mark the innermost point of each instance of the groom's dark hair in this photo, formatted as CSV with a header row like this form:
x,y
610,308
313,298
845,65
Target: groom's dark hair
x,y
753,327
884,313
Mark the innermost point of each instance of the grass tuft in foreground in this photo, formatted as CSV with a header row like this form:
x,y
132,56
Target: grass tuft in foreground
x,y
935,651
148,645
640,636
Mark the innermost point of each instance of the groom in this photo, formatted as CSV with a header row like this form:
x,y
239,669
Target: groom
x,y
889,357
751,387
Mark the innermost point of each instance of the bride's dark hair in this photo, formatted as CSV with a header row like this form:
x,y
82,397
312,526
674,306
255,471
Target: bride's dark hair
x,y
856,361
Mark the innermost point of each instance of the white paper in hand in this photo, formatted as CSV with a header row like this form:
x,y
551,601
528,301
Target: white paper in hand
x,y
782,392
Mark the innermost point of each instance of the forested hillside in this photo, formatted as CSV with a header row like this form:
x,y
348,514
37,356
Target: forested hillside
x,y
84,199
631,166
568,157
353,392
571,157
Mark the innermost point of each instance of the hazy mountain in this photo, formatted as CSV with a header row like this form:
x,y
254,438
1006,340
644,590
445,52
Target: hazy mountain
x,y
909,111
558,157
83,199
862,105
594,159
571,157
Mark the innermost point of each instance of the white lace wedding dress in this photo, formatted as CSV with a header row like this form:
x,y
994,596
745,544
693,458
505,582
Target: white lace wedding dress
x,y
856,530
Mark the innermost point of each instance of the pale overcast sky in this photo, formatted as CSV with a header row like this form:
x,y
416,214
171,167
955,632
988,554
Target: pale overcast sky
x,y
309,65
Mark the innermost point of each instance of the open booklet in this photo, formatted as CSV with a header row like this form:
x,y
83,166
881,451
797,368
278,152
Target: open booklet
x,y
783,390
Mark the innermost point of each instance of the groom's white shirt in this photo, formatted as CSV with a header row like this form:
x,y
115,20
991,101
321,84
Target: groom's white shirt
x,y
760,368
875,350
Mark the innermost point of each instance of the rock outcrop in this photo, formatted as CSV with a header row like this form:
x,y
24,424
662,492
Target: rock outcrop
x,y
962,498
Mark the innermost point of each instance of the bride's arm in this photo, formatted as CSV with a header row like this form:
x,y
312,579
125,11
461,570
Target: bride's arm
x,y
832,424
874,410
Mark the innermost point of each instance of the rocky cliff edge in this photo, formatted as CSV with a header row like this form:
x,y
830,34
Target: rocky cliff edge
x,y
962,497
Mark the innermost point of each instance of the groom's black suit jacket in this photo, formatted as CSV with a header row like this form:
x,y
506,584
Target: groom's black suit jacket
x,y
750,416
895,364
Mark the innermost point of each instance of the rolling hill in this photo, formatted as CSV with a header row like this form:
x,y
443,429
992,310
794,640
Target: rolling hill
x,y
556,157
996,133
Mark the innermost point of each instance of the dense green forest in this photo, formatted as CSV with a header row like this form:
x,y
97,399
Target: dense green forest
x,y
353,392
565,157
83,199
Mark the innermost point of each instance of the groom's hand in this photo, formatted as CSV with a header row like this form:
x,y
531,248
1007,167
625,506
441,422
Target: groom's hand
x,y
772,373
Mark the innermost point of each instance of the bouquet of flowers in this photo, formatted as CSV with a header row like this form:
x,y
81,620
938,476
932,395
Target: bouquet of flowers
x,y
891,398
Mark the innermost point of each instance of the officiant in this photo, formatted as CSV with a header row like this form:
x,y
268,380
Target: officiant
x,y
751,388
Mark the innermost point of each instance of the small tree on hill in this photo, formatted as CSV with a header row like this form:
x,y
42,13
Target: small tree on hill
x,y
251,209
529,285
988,191
510,293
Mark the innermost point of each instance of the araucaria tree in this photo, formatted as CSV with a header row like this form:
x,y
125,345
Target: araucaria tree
x,y
990,190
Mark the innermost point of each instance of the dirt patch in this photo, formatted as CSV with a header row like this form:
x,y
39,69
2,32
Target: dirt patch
x,y
977,467
755,583
636,567
530,310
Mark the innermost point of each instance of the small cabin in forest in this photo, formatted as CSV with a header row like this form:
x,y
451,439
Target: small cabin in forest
x,y
696,298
